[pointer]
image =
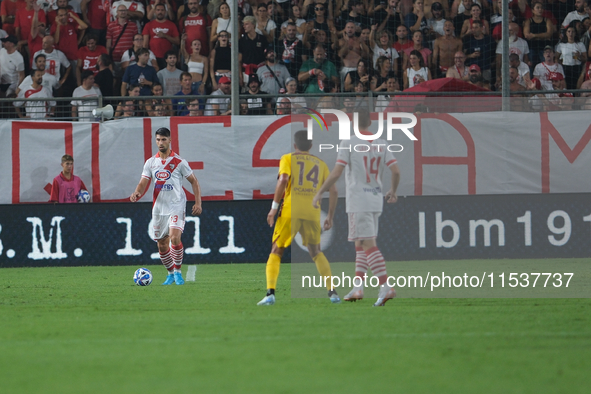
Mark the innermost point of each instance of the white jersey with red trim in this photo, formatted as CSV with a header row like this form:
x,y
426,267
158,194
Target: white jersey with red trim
x,y
168,175
363,172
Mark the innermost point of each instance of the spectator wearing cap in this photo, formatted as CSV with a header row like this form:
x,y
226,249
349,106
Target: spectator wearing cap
x,y
257,105
12,66
220,106
543,70
476,77
273,74
479,49
558,101
251,48
316,71
179,105
290,50
82,109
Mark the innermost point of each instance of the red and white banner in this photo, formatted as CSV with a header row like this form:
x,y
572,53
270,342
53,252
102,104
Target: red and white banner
x,y
237,157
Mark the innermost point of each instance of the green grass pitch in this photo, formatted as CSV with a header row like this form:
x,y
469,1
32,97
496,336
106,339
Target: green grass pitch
x,y
91,330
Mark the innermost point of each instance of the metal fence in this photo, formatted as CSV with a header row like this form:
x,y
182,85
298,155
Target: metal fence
x,y
80,109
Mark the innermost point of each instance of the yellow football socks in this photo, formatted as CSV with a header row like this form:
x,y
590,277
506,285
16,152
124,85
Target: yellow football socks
x,y
273,264
323,267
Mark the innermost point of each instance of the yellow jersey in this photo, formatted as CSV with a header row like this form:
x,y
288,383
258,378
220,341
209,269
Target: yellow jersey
x,y
306,174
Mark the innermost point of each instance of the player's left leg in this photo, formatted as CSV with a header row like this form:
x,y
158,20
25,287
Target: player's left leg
x,y
377,264
177,252
323,267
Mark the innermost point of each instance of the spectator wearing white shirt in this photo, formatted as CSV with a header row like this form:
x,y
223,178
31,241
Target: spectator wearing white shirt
x,y
12,66
82,109
135,10
129,59
35,109
54,60
220,106
547,67
517,45
522,69
265,25
49,81
577,15
571,53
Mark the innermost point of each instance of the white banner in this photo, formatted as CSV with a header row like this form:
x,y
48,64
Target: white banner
x,y
237,157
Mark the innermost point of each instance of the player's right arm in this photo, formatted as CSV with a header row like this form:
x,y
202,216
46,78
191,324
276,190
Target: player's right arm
x,y
140,189
280,187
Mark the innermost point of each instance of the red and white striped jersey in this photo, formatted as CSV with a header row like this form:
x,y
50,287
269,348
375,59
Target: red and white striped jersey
x,y
365,163
168,175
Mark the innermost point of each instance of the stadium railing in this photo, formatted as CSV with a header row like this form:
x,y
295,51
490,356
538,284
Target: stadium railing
x,y
434,102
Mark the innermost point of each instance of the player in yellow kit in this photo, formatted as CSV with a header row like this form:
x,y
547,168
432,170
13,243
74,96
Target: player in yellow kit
x,y
300,176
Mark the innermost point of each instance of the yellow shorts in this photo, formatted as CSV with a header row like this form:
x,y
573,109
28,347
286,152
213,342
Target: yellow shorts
x,y
286,228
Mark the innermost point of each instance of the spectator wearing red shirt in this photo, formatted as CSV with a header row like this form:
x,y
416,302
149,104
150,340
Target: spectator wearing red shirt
x,y
118,39
65,33
35,40
24,20
52,14
95,13
195,26
8,10
88,56
160,34
66,185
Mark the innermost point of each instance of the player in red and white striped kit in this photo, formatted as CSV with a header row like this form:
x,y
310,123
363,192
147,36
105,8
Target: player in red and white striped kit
x,y
364,202
168,170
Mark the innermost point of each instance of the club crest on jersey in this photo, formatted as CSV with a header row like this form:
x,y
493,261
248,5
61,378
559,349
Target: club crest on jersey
x,y
172,166
162,175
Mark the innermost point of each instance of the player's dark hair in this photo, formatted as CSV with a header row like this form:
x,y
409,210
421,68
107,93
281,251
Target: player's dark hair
x,y
363,119
163,131
301,140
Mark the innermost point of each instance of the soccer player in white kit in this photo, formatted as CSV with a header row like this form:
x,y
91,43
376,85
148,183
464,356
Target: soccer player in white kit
x,y
364,202
168,170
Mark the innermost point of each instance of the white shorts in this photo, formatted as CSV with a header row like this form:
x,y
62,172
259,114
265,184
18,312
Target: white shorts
x,y
363,225
162,223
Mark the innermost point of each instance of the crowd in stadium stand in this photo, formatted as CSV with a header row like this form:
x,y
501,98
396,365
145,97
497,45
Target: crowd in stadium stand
x,y
87,48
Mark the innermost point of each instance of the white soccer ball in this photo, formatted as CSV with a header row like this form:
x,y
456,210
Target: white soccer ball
x,y
142,277
83,196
